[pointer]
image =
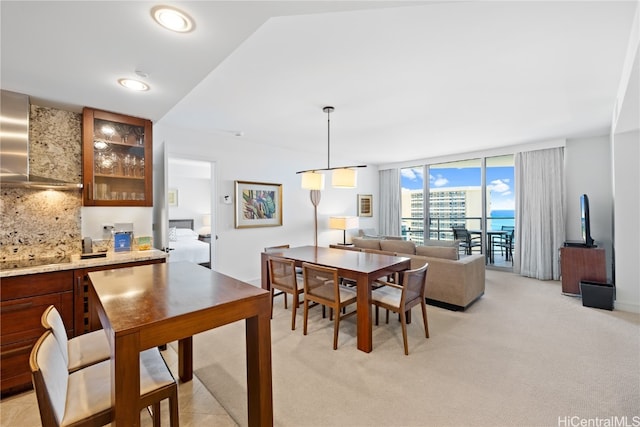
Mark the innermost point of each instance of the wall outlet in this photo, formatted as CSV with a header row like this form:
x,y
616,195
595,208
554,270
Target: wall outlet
x,y
107,227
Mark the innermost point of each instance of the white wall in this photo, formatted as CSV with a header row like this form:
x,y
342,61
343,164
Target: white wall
x,y
626,178
237,251
588,171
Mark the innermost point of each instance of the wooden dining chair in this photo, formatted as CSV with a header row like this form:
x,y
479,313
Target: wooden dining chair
x,y
83,398
283,277
80,351
322,286
400,298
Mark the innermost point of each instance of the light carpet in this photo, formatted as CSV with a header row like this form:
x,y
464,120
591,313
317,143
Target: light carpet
x,y
523,355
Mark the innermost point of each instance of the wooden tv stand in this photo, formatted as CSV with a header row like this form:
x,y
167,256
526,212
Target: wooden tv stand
x,y
578,264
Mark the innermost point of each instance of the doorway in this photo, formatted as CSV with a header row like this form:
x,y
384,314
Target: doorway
x,y
191,196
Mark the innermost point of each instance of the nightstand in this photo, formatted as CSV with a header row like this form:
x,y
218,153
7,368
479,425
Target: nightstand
x,y
207,239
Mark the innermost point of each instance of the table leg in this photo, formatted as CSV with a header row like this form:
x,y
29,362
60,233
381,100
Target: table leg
x,y
365,335
185,359
259,379
125,378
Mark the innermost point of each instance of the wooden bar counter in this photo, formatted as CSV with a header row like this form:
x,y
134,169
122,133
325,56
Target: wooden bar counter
x,y
147,306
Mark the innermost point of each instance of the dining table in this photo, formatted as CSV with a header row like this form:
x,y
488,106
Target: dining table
x,y
147,306
363,268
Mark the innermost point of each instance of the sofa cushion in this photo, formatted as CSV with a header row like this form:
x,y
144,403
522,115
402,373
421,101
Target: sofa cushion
x,y
417,261
401,246
438,252
366,243
447,243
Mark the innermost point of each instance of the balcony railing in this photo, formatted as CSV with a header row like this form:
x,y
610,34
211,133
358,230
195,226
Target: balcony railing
x,y
441,228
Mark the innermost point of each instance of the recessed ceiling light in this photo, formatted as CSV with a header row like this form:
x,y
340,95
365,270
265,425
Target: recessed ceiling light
x,y
172,19
134,84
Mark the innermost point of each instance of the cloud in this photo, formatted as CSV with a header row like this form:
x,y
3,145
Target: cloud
x,y
412,174
500,186
438,180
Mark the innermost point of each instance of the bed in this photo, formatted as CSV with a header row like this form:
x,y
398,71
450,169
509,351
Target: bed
x,y
184,244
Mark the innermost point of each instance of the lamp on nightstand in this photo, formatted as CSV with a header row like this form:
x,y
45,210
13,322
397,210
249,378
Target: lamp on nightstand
x,y
343,223
205,230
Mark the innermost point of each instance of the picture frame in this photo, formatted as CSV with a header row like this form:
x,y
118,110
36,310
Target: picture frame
x,y
257,204
365,205
172,197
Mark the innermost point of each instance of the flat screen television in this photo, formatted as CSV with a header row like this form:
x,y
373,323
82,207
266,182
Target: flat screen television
x,y
585,224
585,221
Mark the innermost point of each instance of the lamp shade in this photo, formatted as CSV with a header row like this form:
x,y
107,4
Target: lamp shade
x,y
343,222
205,230
344,178
313,181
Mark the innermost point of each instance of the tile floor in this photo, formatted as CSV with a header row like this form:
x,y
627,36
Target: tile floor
x,y
197,406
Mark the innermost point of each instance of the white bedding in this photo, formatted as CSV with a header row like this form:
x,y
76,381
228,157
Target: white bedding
x,y
187,247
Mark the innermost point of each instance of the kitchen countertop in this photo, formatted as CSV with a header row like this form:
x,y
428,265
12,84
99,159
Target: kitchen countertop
x,y
77,263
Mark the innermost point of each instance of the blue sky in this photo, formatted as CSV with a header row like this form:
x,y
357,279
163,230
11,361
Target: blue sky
x,y
499,180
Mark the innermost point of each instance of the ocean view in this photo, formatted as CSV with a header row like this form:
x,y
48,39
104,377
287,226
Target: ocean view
x,y
500,218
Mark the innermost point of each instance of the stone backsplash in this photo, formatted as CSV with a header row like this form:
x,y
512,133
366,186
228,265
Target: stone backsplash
x,y
45,223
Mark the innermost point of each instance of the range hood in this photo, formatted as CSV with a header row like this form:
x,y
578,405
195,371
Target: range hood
x,y
14,146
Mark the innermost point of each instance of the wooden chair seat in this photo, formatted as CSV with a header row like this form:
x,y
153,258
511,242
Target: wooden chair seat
x,y
83,397
322,286
401,298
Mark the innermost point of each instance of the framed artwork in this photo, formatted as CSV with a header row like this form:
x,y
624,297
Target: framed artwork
x,y
258,204
172,197
365,205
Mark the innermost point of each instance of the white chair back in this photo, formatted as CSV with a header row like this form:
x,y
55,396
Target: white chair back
x,y
50,376
51,319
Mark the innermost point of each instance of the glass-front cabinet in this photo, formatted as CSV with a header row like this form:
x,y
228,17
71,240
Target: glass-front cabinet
x,y
117,157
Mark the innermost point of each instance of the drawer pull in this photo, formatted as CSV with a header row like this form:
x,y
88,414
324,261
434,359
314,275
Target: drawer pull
x,y
15,307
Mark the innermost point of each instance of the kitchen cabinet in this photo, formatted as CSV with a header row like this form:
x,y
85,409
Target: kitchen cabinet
x,y
82,317
23,300
116,159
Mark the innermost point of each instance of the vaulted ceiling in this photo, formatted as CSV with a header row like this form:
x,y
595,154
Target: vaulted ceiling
x,y
408,80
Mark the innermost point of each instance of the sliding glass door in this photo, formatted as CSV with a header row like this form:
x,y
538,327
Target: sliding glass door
x,y
455,200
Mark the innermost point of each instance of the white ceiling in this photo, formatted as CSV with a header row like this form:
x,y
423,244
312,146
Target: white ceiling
x,y
408,80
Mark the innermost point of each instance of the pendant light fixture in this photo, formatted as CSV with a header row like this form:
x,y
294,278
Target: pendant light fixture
x,y
343,177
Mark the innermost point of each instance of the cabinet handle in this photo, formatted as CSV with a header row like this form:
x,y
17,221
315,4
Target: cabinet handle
x,y
15,307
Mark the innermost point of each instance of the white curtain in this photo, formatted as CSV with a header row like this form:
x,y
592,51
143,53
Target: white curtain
x,y
539,230
390,202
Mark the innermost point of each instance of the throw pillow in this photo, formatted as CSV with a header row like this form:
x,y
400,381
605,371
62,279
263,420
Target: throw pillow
x,y
438,252
173,235
366,243
401,246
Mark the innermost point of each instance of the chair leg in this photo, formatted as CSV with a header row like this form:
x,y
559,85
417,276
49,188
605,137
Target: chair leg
x,y
387,319
306,313
404,333
424,319
336,327
376,315
284,294
173,408
272,296
155,415
294,307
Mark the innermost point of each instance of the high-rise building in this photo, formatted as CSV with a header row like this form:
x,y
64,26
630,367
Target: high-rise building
x,y
448,207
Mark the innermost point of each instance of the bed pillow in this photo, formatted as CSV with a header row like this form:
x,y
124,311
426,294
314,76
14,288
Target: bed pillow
x,y
185,234
172,234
